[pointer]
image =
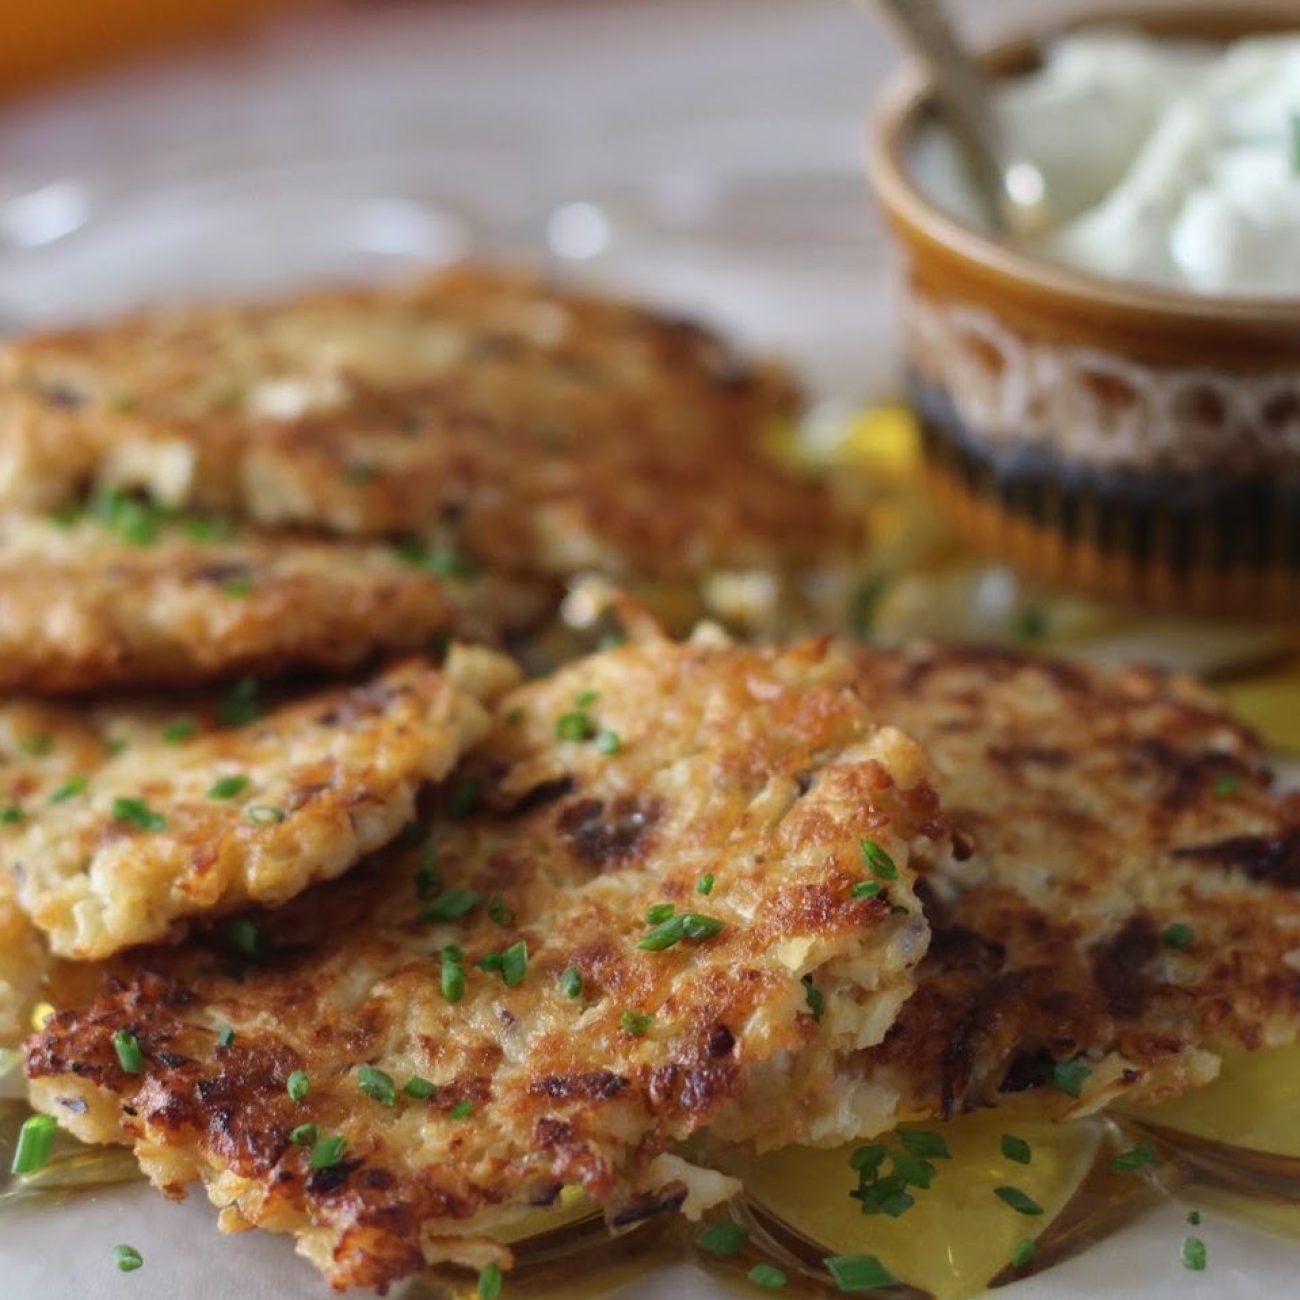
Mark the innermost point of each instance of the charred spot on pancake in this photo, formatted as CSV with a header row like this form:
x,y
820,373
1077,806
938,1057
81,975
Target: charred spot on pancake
x,y
1118,963
1272,859
595,1085
609,834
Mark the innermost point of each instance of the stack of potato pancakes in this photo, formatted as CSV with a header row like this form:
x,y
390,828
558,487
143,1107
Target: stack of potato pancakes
x,y
386,945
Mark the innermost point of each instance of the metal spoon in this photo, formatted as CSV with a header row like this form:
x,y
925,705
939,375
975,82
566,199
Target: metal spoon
x,y
1012,190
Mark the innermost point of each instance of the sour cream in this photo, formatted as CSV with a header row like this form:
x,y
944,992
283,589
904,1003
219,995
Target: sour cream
x,y
1169,163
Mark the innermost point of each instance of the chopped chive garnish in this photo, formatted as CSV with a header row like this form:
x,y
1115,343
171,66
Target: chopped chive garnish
x,y
659,912
575,727
462,1109
768,1276
1225,787
327,1152
465,798
137,813
1194,1217
35,1142
38,746
1023,1254
452,905
585,699
264,814
490,1282
571,982
491,962
298,1085
427,882
447,562
305,1135
865,889
514,964
1019,1201
881,864
129,1055
211,529
243,704
813,997
225,1036
855,1274
1017,1149
115,747
862,612
1178,935
1194,1255
930,1146
499,913
419,1088
127,1259
11,815
175,733
377,1085
453,975
248,938
1070,1076
609,742
636,1023
1030,624
70,789
688,925
704,885
228,787
1136,1159
238,587
723,1239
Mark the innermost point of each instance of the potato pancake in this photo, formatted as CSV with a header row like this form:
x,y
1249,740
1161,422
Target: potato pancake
x,y
672,892
251,808
131,597
527,428
1131,908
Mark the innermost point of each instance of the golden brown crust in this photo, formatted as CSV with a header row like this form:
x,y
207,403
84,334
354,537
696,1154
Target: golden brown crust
x,y
161,833
540,430
82,608
757,767
1102,809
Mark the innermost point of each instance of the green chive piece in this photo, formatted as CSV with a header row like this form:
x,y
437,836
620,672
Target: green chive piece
x,y
866,889
574,727
39,746
305,1135
264,814
1225,787
571,982
377,1085
462,1109
238,587
659,912
1194,1217
1136,1159
490,1282
208,530
609,742
1194,1255
1017,1149
452,905
867,1158
138,813
248,938
1178,935
687,925
862,613
881,864
913,1171
129,1055
930,1146
1023,1254
856,1274
636,1023
465,798
814,998
453,977
127,1259
225,1036
1070,1076
585,699
228,787
723,1239
499,913
427,881
514,964
447,562
1030,624
11,815
298,1085
35,1142
70,789
419,1088
1018,1200
704,885
514,717
176,733
243,704
327,1152
768,1276
491,962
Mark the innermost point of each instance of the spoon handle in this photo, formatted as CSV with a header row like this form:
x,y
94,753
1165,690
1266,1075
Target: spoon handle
x,y
963,92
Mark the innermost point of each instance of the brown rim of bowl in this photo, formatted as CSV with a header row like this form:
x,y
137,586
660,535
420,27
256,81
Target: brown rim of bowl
x,y
908,100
